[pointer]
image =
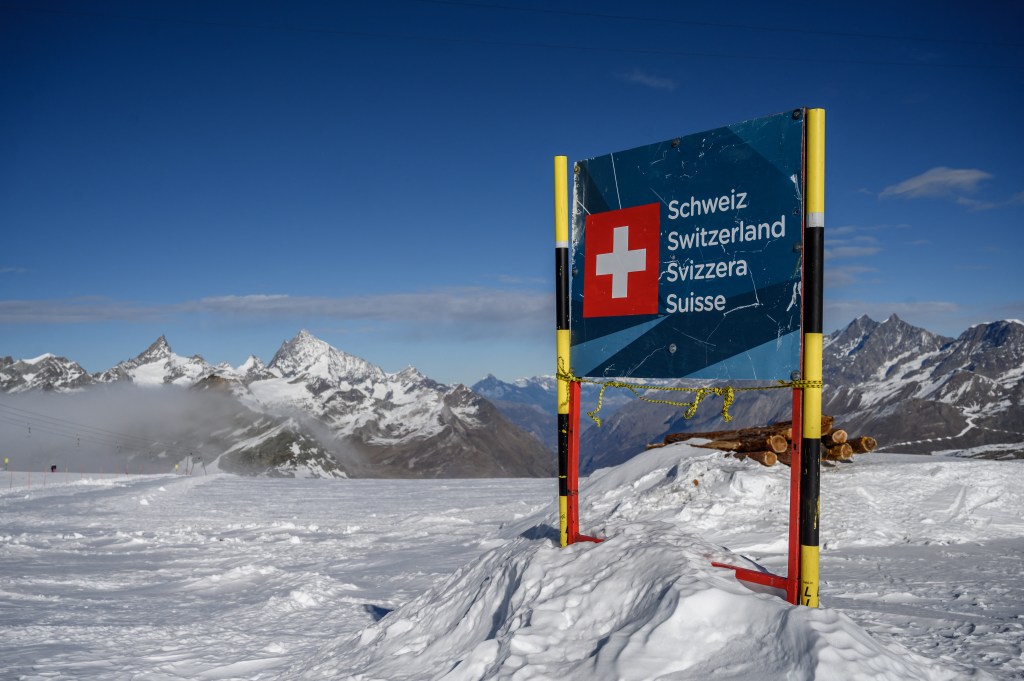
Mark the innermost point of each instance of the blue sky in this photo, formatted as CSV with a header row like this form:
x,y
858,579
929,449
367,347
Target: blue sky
x,y
380,173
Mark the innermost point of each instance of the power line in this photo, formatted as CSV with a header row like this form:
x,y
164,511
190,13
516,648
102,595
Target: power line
x,y
56,421
452,40
714,24
79,432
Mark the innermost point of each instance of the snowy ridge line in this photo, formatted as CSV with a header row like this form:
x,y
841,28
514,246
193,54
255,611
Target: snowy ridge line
x,y
971,425
18,482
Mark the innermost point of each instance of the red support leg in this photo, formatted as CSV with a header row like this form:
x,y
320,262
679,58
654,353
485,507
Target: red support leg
x,y
791,582
793,568
573,473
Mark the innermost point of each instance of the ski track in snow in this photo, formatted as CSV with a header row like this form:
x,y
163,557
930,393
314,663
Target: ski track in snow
x,y
223,577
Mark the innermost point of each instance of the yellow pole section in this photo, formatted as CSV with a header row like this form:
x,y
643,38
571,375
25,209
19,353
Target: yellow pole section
x,y
562,242
812,396
816,163
562,347
562,338
813,285
561,201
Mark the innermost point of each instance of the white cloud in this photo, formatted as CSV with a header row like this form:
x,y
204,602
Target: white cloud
x,y
840,277
455,305
648,80
841,252
512,280
842,230
476,310
974,204
938,182
77,310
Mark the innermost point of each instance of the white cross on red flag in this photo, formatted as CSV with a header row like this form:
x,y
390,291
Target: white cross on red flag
x,y
620,275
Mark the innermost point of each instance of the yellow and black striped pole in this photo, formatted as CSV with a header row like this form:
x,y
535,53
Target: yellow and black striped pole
x,y
813,285
562,338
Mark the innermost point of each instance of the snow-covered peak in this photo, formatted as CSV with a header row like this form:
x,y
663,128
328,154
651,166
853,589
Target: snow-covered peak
x,y
994,350
40,358
252,363
46,372
158,365
866,349
410,374
252,369
538,389
158,349
491,387
306,355
545,381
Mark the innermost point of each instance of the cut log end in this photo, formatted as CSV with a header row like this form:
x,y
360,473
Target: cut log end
x,y
770,444
764,458
835,437
840,452
863,444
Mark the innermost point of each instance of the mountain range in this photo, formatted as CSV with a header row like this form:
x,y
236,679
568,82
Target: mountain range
x,y
313,410
913,390
316,410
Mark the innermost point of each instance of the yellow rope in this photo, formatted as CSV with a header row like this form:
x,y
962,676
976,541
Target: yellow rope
x,y
728,393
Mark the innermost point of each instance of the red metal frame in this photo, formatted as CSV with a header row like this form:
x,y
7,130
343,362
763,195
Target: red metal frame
x,y
572,515
791,582
793,569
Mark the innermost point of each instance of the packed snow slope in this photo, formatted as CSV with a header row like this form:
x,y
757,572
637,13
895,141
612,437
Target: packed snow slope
x,y
223,577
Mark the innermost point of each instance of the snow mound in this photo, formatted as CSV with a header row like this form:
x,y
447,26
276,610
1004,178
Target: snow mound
x,y
645,604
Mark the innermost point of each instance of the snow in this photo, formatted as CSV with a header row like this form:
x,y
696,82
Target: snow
x,y
40,358
224,577
280,391
1007,321
150,374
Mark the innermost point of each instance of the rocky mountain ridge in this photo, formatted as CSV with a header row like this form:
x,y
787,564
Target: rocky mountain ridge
x,y
317,408
915,391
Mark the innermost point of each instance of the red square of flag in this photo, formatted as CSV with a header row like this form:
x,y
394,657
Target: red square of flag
x,y
620,272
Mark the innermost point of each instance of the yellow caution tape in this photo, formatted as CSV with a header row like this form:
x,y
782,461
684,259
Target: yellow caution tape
x,y
728,393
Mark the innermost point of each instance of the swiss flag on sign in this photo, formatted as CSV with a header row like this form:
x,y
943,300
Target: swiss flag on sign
x,y
620,274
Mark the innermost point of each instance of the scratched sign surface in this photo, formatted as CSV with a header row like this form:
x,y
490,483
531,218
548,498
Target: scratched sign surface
x,y
686,256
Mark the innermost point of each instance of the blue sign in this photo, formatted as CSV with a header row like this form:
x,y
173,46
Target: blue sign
x,y
686,256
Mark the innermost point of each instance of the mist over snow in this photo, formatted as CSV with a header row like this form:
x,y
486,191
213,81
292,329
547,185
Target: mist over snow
x,y
227,577
110,426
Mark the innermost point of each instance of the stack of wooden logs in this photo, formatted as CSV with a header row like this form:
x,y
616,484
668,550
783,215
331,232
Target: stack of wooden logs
x,y
769,445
